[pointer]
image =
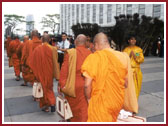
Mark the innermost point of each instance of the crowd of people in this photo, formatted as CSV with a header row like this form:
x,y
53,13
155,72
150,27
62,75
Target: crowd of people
x,y
103,81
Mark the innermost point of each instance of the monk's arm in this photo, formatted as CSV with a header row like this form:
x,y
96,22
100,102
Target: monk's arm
x,y
88,82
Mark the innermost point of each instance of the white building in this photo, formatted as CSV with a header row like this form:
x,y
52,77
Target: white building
x,y
103,14
29,24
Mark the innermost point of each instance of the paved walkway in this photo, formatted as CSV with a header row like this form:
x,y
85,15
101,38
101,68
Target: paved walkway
x,y
19,106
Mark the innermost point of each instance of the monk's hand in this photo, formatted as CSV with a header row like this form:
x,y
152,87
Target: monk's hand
x,y
59,89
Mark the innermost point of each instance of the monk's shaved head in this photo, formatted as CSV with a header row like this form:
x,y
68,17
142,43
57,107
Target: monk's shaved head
x,y
46,38
35,33
81,39
26,38
101,38
8,36
101,41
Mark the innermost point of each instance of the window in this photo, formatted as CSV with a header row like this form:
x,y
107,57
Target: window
x,y
94,13
118,9
129,9
65,18
88,13
73,13
69,16
142,9
101,13
82,13
77,13
156,10
109,13
62,12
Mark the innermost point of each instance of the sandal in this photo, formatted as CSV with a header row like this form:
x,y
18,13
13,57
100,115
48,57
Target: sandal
x,y
23,85
45,109
17,78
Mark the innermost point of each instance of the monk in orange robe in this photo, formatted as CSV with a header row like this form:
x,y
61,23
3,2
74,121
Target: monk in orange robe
x,y
45,67
14,44
78,103
27,52
7,42
19,54
105,74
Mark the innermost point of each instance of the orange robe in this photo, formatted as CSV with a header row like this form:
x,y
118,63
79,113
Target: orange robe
x,y
27,52
13,53
107,69
78,104
43,62
19,54
7,42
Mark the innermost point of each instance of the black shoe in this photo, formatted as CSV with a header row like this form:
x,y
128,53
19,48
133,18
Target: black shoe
x,y
52,108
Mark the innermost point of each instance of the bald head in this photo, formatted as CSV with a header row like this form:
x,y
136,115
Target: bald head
x,y
101,41
8,36
46,38
35,33
80,40
26,38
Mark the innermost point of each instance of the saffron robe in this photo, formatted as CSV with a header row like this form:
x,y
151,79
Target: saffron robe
x,y
45,67
107,69
13,53
79,103
27,52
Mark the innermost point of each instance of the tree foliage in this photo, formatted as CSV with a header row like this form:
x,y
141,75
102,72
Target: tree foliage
x,y
12,21
86,29
51,21
145,28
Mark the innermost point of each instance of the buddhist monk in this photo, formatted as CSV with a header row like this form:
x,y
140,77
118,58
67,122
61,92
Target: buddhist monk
x,y
19,54
71,74
7,42
45,67
14,44
27,52
105,74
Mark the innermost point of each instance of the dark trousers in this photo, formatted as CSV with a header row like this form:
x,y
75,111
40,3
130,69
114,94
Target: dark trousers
x,y
60,58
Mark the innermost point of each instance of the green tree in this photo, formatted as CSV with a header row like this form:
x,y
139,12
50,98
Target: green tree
x,y
51,21
86,29
145,28
12,21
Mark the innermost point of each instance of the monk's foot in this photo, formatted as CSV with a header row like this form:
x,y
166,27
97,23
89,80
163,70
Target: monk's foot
x,y
46,109
36,99
23,85
53,108
18,78
133,114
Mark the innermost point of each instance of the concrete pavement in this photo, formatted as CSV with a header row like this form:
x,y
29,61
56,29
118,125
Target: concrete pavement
x,y
19,106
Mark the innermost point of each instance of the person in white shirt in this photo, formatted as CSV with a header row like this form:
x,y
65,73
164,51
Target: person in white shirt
x,y
62,47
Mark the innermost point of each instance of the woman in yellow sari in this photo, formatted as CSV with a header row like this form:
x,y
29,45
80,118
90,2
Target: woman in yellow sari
x,y
136,55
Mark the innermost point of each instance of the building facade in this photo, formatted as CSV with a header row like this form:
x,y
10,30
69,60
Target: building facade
x,y
103,14
29,24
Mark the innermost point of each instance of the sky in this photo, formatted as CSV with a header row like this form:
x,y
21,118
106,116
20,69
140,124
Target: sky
x,y
37,9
